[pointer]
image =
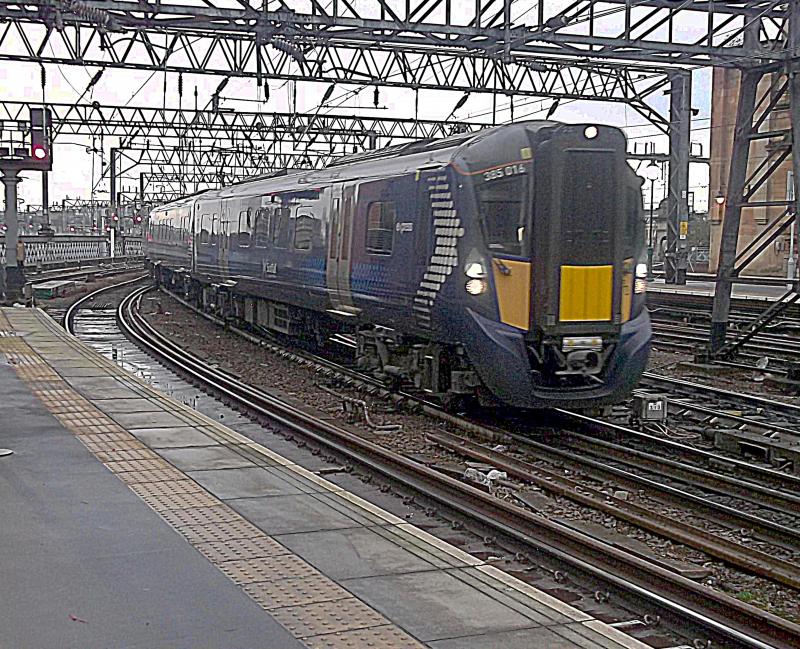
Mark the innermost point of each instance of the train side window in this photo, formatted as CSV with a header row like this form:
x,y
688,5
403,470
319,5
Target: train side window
x,y
244,228
280,232
303,232
261,229
380,228
205,235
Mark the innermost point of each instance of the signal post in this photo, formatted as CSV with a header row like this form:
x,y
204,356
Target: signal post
x,y
13,159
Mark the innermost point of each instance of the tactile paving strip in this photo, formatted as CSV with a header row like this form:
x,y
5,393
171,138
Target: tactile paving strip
x,y
237,549
282,567
179,501
223,531
166,488
299,592
378,636
327,617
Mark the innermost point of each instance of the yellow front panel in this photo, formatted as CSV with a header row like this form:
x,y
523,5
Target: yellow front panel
x,y
586,293
514,292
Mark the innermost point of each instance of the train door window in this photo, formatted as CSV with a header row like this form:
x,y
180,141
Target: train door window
x,y
303,232
280,233
244,228
380,228
333,232
205,232
261,230
214,229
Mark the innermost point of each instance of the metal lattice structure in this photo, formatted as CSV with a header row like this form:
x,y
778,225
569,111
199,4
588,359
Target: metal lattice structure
x,y
473,46
232,128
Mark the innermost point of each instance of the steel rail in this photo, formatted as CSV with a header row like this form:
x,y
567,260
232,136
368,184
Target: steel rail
x,y
783,503
786,408
735,554
72,310
753,472
702,479
719,614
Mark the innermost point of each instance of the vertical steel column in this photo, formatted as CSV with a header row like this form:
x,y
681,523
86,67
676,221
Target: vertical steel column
x,y
793,72
12,277
733,205
680,116
113,180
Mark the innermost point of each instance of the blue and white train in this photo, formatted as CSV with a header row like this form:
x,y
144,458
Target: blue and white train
x,y
503,264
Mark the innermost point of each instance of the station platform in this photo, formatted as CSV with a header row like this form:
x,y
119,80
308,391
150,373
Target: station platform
x,y
130,519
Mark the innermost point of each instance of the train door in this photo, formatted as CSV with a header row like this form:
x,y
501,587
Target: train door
x,y
340,244
224,238
195,232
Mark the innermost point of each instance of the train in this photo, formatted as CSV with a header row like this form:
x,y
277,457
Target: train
x,y
502,266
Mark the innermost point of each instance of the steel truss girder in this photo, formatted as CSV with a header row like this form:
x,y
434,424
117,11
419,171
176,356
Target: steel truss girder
x,y
188,171
646,30
433,69
137,124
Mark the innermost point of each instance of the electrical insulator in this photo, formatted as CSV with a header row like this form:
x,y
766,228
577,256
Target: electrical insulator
x,y
376,97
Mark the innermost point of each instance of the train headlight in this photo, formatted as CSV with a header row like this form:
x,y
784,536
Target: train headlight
x,y
475,270
590,132
640,282
476,286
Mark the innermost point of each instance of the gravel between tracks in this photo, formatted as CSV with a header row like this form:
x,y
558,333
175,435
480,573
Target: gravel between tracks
x,y
258,366
679,365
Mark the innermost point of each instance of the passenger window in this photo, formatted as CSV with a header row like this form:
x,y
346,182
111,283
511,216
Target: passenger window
x,y
280,233
380,228
244,228
261,230
303,232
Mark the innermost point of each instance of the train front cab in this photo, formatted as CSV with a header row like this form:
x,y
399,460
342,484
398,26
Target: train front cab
x,y
563,322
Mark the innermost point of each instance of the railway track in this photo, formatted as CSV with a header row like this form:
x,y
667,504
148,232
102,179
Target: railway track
x,y
679,336
723,617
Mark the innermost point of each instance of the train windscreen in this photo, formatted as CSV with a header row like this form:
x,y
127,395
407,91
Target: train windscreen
x,y
504,209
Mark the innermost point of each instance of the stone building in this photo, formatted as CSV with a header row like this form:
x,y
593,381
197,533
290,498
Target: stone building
x,y
773,261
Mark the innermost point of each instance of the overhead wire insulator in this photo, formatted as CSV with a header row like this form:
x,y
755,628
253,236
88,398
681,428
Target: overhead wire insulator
x,y
376,97
93,81
283,46
180,84
92,14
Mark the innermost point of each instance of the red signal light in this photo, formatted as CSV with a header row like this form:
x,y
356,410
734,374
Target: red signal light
x,y
39,152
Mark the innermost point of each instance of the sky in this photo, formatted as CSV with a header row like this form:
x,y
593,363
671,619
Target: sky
x,y
76,169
